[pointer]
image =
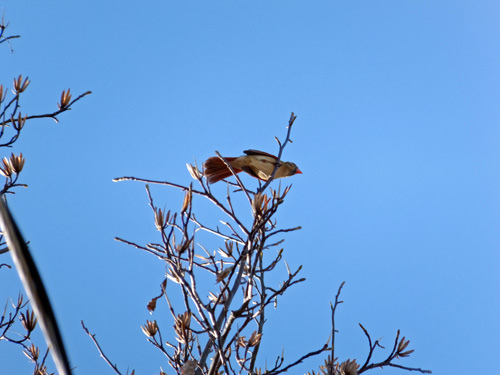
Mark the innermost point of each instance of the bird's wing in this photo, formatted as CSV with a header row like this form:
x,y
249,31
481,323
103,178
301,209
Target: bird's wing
x,y
257,152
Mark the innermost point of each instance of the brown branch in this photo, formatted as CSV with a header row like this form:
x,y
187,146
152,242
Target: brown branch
x,y
262,317
334,308
388,361
410,368
9,37
276,371
3,27
101,352
54,114
205,194
281,148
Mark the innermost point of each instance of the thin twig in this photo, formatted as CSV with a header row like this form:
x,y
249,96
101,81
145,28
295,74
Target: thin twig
x,y
334,308
54,114
101,352
300,360
281,148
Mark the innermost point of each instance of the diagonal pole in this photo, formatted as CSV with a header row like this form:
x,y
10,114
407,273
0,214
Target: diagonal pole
x,y
34,287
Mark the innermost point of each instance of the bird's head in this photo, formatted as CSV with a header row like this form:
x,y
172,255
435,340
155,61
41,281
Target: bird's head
x,y
292,167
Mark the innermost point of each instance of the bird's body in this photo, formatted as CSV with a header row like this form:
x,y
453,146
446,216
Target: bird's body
x,y
256,163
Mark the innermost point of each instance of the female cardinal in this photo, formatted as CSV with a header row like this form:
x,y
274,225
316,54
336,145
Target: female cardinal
x,y
256,163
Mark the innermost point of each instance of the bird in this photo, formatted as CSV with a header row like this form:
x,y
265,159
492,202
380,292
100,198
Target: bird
x,y
256,163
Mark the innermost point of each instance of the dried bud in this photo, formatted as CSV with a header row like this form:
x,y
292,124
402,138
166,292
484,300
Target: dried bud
x,y
213,297
194,171
229,250
184,320
6,168
20,300
32,353
223,253
281,199
223,274
348,368
185,245
330,367
181,327
150,328
19,123
17,162
152,305
229,247
259,204
189,367
2,97
28,320
241,342
254,339
187,199
40,369
173,276
402,346
19,85
160,221
12,165
65,99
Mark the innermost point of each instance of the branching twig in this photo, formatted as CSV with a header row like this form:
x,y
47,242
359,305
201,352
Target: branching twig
x,y
3,38
53,114
398,351
101,352
334,308
214,329
298,361
280,152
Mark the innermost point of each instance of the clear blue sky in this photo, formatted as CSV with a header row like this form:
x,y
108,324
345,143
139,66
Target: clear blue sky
x,y
398,136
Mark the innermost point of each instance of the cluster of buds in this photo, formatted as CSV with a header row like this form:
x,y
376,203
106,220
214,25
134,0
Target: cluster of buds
x,y
194,171
28,321
221,298
347,368
187,200
260,204
181,327
182,247
65,99
13,165
32,352
223,274
229,250
161,219
278,197
253,340
332,367
19,85
18,123
150,328
40,369
403,344
174,274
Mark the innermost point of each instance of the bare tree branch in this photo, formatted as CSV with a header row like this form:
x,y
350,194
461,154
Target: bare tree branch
x,y
101,352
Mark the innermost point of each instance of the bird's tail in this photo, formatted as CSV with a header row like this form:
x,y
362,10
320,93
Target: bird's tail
x,y
215,170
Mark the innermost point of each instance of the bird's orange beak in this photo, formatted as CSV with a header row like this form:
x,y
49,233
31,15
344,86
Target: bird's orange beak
x,y
298,171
